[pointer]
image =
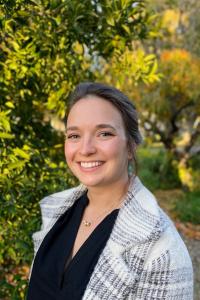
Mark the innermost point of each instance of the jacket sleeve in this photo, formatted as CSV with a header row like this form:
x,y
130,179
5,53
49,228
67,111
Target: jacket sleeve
x,y
167,272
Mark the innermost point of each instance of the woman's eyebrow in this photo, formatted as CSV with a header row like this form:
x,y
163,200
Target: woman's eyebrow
x,y
99,126
72,128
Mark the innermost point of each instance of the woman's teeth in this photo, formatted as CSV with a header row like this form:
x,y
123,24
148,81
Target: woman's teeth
x,y
90,164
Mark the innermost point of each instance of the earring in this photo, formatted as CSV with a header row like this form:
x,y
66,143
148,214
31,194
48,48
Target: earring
x,y
130,168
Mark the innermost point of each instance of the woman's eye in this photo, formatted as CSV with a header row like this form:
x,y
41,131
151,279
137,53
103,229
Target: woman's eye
x,y
105,134
72,137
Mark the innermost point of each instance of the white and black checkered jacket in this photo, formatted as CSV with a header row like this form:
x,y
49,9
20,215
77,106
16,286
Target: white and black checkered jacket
x,y
144,258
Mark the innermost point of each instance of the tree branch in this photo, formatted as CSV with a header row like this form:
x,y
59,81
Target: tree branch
x,y
177,113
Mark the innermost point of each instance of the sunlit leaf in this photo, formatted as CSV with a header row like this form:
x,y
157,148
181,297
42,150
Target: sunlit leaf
x,y
5,135
9,104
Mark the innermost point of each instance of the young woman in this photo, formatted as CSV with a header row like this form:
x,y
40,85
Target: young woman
x,y
107,238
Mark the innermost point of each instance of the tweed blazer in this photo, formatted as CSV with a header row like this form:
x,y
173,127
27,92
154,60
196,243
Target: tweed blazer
x,y
144,257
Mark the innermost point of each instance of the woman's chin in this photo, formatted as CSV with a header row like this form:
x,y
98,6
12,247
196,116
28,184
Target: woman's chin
x,y
91,183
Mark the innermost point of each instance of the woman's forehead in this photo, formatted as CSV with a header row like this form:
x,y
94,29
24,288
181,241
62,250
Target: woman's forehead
x,y
94,110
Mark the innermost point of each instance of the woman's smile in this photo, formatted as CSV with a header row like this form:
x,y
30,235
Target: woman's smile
x,y
90,166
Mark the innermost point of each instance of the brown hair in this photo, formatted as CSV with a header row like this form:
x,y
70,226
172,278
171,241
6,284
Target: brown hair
x,y
120,101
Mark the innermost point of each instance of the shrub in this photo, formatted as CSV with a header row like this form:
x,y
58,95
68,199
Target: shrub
x,y
157,169
188,208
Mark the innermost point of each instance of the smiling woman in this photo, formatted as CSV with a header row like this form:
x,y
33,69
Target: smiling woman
x,y
106,238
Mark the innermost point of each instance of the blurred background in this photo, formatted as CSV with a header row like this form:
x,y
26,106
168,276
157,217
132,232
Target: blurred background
x,y
148,49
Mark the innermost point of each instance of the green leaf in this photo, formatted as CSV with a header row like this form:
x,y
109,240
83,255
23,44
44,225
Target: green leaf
x,y
15,46
149,57
16,165
126,28
78,48
10,104
21,153
4,122
154,68
12,253
110,20
5,135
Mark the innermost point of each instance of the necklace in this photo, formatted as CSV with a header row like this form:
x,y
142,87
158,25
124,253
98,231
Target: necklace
x,y
88,223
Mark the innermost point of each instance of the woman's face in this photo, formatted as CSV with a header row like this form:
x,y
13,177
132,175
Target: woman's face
x,y
96,144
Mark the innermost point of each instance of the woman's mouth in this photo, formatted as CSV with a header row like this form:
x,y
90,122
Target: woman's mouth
x,y
91,165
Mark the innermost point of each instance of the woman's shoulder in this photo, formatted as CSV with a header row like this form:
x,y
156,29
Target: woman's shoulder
x,y
58,198
146,198
52,207
171,244
167,240
163,228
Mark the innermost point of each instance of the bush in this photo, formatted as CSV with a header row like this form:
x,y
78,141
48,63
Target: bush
x,y
20,212
188,207
157,169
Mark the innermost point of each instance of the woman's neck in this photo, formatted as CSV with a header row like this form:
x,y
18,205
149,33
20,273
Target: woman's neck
x,y
103,197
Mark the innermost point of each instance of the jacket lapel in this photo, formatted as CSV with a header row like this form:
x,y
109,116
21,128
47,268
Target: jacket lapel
x,y
122,259
52,207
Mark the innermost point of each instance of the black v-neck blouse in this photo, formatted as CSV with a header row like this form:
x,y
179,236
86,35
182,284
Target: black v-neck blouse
x,y
50,279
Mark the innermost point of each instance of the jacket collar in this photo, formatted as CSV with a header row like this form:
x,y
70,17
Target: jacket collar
x,y
138,219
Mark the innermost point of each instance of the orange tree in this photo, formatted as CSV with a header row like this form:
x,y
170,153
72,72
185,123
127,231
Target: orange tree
x,y
47,46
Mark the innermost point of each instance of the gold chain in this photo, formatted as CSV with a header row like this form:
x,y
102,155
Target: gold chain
x,y
89,223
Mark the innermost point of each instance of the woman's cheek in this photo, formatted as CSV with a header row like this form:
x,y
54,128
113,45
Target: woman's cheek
x,y
69,152
114,147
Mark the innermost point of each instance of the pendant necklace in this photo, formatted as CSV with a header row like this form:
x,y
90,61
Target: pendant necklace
x,y
88,223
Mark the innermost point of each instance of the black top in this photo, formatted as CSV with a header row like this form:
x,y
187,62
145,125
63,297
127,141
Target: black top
x,y
50,279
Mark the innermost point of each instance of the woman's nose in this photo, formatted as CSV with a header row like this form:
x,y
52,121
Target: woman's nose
x,y
87,147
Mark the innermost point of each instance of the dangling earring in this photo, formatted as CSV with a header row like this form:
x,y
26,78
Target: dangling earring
x,y
130,168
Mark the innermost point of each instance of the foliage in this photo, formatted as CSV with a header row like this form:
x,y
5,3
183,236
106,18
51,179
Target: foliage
x,y
155,169
178,25
174,117
170,107
46,48
188,208
131,67
176,97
